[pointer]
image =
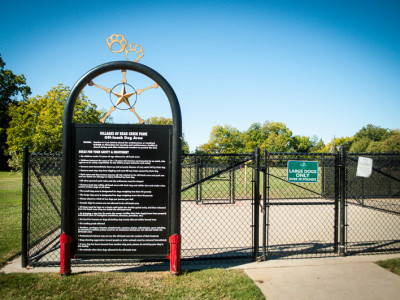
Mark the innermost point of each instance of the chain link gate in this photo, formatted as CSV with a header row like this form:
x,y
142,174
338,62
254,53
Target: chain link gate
x,y
217,206
299,217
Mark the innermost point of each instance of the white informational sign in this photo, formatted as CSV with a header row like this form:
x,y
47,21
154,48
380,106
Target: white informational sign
x,y
364,167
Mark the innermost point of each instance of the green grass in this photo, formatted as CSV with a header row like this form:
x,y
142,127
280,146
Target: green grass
x,y
393,265
204,284
10,215
219,186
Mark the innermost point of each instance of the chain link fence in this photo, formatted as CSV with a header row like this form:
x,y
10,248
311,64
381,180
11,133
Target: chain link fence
x,y
217,206
218,211
373,205
44,208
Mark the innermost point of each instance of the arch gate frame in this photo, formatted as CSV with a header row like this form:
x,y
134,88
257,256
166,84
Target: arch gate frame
x,y
68,200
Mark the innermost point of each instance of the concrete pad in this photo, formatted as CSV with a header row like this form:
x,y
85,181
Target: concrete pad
x,y
334,278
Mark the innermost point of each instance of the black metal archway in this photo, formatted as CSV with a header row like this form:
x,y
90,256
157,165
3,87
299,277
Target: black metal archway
x,y
67,198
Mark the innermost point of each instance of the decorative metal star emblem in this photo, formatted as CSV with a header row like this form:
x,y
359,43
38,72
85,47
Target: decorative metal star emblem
x,y
123,97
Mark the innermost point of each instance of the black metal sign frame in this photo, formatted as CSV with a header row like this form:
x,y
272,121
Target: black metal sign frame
x,y
68,197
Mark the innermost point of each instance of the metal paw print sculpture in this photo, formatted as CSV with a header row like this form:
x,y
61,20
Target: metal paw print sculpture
x,y
120,39
123,100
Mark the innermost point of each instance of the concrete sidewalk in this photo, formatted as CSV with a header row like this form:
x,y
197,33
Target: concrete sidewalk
x,y
354,277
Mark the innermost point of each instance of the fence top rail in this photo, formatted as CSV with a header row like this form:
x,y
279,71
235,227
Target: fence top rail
x,y
56,154
217,154
300,154
43,154
373,154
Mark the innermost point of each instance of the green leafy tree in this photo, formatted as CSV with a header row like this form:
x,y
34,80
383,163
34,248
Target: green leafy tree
x,y
37,122
277,136
373,138
336,142
223,139
159,121
271,136
372,133
11,87
317,145
360,145
391,144
253,137
167,121
301,143
275,143
278,128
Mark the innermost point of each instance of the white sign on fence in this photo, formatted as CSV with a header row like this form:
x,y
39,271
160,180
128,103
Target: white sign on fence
x,y
364,166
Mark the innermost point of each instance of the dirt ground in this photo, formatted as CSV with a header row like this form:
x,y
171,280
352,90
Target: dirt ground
x,y
225,229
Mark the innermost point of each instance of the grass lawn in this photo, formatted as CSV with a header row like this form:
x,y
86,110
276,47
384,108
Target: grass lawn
x,y
204,284
393,265
10,215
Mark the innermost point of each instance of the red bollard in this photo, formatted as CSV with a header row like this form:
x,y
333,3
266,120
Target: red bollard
x,y
65,263
175,254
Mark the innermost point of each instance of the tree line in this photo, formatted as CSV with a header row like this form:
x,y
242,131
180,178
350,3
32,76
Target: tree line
x,y
276,137
36,122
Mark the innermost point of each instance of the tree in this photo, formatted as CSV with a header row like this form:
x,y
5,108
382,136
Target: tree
x,y
11,86
360,145
376,139
372,133
37,122
336,142
301,143
271,136
391,144
368,134
167,121
277,135
317,145
159,121
253,137
275,143
223,139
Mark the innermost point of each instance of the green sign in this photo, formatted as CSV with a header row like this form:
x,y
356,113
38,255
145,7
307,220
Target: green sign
x,y
302,171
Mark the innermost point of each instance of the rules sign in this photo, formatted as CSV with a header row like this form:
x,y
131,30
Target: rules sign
x,y
302,171
121,187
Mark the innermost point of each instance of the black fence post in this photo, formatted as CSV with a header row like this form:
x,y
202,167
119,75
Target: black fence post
x,y
196,179
342,177
264,206
337,199
256,202
24,221
232,181
323,177
201,175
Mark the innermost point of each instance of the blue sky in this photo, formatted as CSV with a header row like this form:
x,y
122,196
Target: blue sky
x,y
324,68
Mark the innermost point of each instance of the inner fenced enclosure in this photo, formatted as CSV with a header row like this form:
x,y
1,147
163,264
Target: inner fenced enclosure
x,y
244,206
